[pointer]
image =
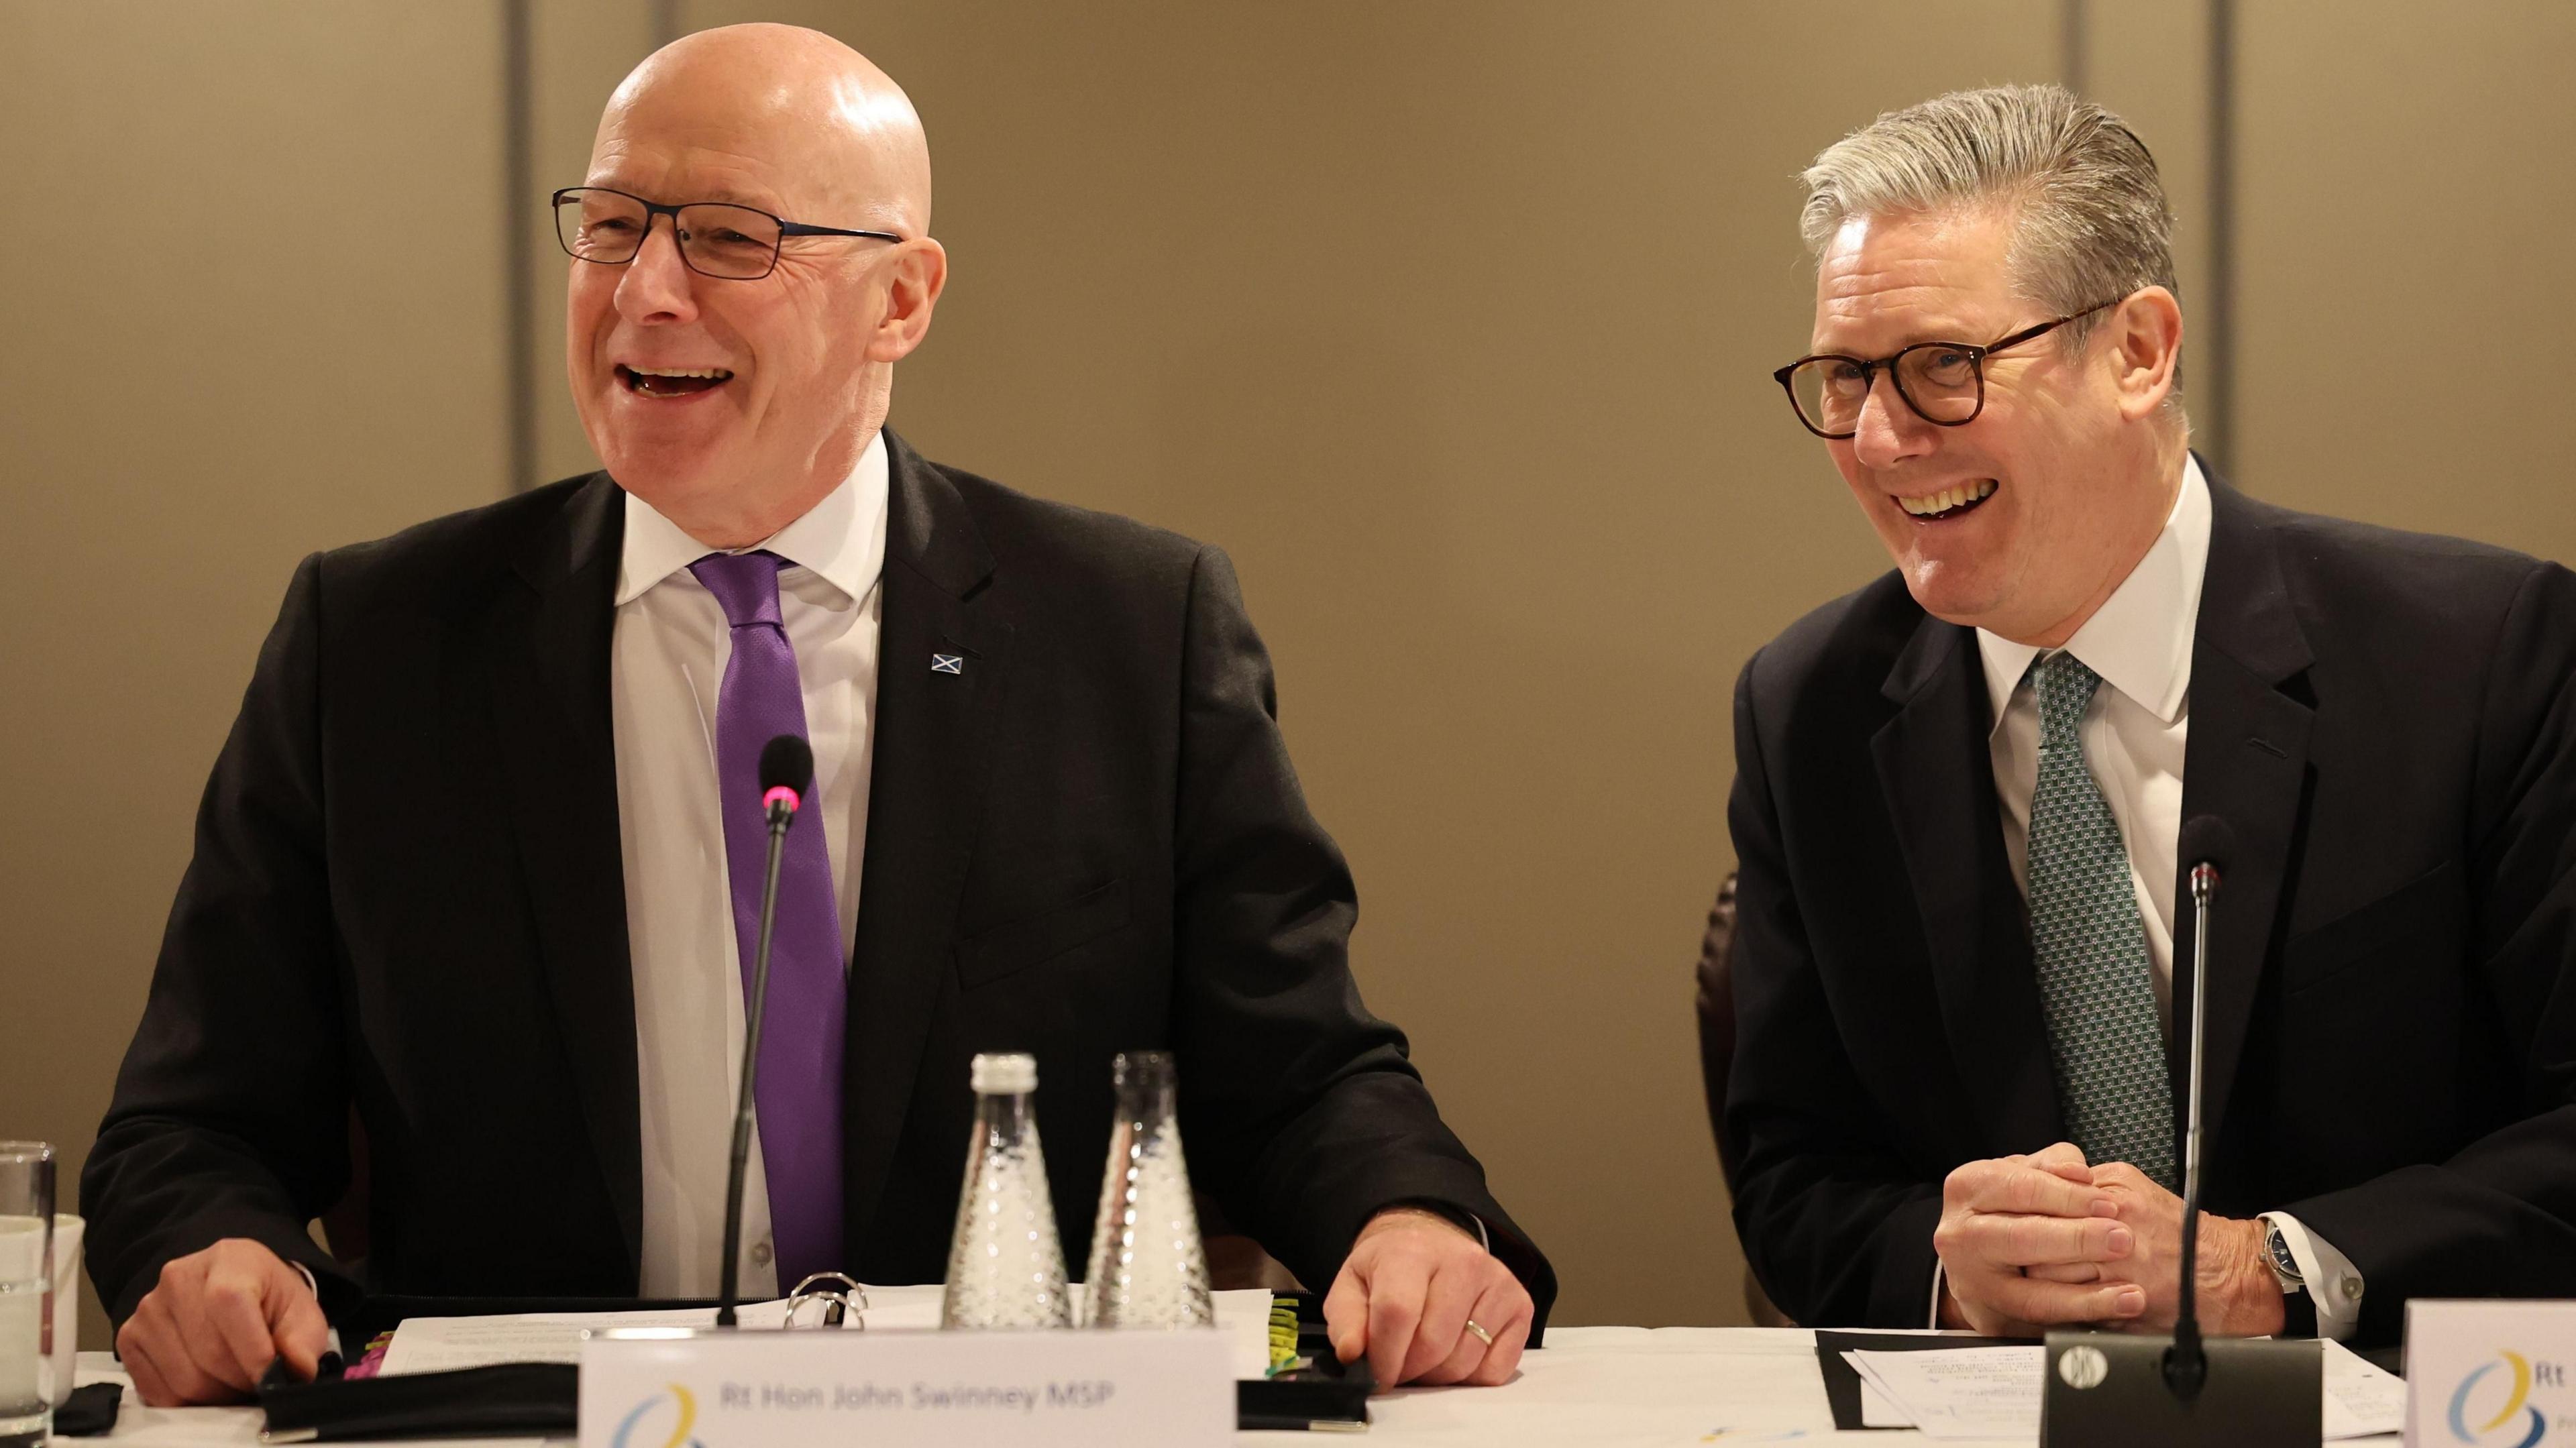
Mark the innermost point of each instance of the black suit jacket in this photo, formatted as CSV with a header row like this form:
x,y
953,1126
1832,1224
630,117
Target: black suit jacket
x,y
2386,721
408,896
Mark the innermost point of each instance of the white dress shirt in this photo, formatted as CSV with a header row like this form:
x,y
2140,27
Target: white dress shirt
x,y
667,660
2134,733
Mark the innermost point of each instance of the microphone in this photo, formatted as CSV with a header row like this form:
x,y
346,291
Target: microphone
x,y
2125,1390
2208,840
786,770
2209,846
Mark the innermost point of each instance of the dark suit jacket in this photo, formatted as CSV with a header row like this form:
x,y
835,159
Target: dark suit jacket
x,y
2386,721
408,894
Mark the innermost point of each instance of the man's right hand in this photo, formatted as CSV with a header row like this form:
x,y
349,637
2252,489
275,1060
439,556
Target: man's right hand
x,y
215,1321
2040,1212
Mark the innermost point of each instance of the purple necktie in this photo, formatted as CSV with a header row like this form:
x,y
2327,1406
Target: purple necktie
x,y
798,1088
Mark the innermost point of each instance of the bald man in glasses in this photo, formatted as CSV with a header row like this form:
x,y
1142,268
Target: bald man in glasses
x,y
479,865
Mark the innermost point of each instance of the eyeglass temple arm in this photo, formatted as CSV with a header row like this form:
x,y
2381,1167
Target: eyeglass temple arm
x,y
2027,333
798,228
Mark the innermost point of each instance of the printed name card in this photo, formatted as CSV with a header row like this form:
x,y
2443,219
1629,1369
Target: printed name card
x,y
2481,1373
752,1388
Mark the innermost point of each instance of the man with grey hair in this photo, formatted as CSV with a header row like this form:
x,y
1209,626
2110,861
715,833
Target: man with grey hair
x,y
1959,793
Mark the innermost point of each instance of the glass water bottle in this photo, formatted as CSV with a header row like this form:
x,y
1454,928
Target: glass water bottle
x,y
1148,1267
1006,1264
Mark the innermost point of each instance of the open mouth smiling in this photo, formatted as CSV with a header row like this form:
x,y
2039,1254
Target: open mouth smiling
x,y
672,381
1953,502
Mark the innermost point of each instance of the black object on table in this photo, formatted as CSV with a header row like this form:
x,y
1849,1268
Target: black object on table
x,y
509,1400
2149,1390
88,1412
1332,1393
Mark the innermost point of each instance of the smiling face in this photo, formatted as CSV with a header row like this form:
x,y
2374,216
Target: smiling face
x,y
734,406
2024,520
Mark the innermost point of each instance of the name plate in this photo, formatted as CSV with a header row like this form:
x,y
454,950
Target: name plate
x,y
2482,1373
683,1388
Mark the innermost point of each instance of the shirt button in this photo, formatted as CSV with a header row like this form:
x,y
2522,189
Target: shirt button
x,y
760,1253
2352,1289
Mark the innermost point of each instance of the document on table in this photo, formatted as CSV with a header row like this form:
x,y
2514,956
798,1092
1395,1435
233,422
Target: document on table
x,y
444,1344
2360,1399
1994,1392
439,1344
1980,1392
1877,1409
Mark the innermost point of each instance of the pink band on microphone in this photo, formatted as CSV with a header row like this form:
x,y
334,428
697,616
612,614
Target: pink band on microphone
x,y
781,795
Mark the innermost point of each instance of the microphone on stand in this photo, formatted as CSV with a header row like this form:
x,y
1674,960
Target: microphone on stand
x,y
2210,845
786,769
2136,1390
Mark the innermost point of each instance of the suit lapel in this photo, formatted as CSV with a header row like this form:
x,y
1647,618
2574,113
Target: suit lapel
x,y
933,728
2246,763
1938,778
549,647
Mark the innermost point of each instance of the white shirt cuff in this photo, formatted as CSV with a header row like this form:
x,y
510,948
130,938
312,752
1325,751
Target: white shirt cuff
x,y
315,1286
1482,1235
2334,1285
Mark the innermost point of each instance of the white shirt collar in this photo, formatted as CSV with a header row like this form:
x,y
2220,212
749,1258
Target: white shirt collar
x,y
842,539
2139,641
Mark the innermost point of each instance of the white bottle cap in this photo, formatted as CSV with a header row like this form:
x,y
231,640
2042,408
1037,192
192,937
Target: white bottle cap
x,y
1005,1075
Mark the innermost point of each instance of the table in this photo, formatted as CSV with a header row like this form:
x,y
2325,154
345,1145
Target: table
x,y
1622,1387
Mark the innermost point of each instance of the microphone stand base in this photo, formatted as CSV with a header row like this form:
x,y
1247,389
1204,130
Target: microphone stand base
x,y
2108,1390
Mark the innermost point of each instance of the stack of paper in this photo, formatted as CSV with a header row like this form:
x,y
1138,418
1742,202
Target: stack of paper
x,y
1978,1392
1994,1392
437,1344
442,1344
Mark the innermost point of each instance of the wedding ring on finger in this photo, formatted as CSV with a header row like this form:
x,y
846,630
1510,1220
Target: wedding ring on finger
x,y
1478,1329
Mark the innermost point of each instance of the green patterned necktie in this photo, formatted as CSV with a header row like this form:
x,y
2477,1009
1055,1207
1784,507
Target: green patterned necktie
x,y
2104,1042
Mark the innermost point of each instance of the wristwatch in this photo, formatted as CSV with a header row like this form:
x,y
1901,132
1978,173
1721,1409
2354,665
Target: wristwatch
x,y
2298,1308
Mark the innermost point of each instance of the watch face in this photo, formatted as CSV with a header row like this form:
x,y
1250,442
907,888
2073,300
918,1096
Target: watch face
x,y
2283,1262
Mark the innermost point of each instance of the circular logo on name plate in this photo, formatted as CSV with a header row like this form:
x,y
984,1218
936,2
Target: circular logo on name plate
x,y
635,1431
2083,1367
2516,1397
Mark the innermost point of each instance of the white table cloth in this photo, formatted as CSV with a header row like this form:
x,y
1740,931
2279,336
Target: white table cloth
x,y
1613,1386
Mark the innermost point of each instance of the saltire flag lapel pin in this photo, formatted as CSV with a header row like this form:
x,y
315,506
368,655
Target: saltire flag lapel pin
x,y
948,663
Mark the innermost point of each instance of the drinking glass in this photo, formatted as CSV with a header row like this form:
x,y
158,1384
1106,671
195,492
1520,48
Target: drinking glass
x,y
26,1275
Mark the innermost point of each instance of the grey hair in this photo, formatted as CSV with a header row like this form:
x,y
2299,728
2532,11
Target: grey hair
x,y
2090,220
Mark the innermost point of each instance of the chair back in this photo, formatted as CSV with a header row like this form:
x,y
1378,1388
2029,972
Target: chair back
x,y
1717,1058
1717,1016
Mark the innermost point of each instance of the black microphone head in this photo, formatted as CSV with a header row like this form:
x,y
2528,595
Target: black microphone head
x,y
786,762
2207,840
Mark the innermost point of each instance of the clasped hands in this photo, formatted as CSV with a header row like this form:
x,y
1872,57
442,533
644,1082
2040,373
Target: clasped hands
x,y
2033,1242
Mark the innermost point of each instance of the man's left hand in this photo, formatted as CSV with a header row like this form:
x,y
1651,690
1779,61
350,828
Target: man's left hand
x,y
2239,1294
1405,1297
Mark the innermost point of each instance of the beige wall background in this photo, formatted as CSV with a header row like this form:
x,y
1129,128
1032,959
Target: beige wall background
x,y
1451,321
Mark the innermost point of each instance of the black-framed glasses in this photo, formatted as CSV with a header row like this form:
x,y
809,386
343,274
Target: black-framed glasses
x,y
717,238
1942,382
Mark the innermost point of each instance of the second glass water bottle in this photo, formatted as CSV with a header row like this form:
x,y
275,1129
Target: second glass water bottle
x,y
1148,1267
